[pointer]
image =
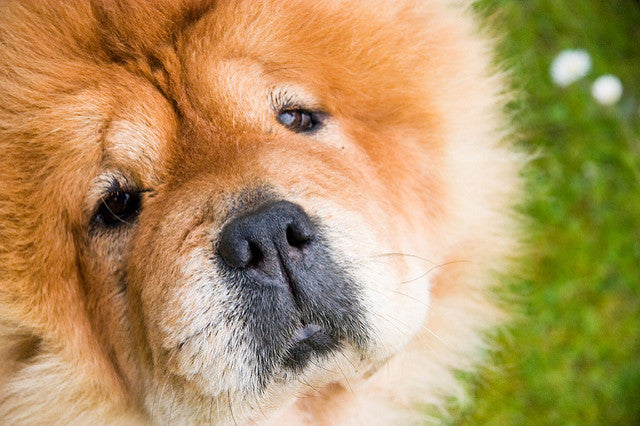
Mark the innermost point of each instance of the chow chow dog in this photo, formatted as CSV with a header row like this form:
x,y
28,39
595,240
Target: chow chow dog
x,y
245,211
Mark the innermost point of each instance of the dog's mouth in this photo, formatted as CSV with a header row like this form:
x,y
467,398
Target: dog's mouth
x,y
308,340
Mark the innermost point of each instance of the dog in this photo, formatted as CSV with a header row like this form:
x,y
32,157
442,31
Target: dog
x,y
246,211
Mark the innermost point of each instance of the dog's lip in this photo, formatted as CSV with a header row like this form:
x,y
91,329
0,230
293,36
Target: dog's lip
x,y
308,340
306,332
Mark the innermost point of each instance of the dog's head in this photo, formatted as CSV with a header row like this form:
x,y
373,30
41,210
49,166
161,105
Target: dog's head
x,y
245,200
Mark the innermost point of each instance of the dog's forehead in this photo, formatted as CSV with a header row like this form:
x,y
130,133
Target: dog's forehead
x,y
363,64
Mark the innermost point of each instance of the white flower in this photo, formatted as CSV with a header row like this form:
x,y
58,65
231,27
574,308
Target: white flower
x,y
569,66
607,89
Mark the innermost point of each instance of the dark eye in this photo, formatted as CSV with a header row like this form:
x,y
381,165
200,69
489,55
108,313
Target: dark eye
x,y
119,207
299,120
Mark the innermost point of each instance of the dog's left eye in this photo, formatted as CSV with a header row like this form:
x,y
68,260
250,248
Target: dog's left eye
x,y
119,207
299,120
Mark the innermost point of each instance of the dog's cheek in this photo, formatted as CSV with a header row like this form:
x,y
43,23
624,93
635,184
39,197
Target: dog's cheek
x,y
374,245
101,264
184,313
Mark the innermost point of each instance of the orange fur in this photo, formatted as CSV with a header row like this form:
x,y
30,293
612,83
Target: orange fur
x,y
411,175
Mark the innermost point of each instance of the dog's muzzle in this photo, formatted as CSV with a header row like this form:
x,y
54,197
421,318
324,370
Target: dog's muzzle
x,y
297,300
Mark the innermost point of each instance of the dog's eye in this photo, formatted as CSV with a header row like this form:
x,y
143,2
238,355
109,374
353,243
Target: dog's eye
x,y
119,207
299,120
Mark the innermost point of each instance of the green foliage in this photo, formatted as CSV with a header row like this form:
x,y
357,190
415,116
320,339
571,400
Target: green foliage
x,y
573,357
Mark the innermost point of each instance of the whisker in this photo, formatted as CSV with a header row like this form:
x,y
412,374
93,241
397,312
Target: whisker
x,y
413,256
431,332
320,366
305,395
391,320
310,386
342,371
349,361
415,299
382,317
433,269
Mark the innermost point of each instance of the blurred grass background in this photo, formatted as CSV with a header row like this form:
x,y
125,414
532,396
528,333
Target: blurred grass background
x,y
573,357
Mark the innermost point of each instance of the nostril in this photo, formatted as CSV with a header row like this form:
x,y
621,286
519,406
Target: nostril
x,y
297,236
256,255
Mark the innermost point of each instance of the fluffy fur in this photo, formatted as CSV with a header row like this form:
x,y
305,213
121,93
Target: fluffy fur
x,y
408,176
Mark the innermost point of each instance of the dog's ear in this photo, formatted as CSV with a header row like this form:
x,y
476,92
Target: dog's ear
x,y
134,29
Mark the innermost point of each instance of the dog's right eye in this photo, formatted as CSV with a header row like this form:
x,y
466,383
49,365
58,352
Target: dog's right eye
x,y
119,207
299,120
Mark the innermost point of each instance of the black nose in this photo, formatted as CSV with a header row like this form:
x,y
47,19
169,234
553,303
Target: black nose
x,y
269,242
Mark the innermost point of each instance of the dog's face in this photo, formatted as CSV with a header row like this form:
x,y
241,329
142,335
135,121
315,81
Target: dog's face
x,y
252,240
254,194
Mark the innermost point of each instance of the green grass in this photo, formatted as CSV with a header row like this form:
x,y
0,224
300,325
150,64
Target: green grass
x,y
573,357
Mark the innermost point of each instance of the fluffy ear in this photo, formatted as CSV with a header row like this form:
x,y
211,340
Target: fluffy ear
x,y
134,28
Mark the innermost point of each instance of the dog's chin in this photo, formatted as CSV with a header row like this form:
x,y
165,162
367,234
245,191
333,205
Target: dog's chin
x,y
310,358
